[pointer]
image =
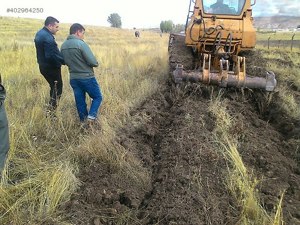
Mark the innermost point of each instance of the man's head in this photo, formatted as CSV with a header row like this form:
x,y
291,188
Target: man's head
x,y
52,24
77,30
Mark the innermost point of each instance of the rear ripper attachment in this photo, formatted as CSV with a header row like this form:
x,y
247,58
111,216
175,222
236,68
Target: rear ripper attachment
x,y
217,67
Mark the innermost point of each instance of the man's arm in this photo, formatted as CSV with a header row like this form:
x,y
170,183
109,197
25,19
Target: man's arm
x,y
89,56
52,53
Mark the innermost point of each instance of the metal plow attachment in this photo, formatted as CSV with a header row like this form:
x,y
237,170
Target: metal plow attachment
x,y
224,77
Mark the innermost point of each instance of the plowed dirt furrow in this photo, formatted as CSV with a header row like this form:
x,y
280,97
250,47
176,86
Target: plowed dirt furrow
x,y
187,180
171,133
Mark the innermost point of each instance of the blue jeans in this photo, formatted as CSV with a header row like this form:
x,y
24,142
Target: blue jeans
x,y
92,88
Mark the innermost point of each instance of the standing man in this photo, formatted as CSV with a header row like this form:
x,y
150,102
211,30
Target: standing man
x,y
80,61
4,134
50,59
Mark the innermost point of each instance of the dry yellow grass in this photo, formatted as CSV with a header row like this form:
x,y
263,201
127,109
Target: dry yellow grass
x,y
240,181
283,62
44,153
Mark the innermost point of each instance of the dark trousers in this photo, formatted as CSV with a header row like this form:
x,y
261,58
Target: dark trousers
x,y
53,77
4,134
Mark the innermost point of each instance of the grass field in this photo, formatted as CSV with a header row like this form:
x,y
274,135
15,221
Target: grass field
x,y
40,174
44,153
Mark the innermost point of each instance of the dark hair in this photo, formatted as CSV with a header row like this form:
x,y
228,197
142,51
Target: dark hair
x,y
50,20
76,27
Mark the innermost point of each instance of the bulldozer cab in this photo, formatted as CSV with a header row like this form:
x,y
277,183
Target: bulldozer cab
x,y
221,7
225,7
209,20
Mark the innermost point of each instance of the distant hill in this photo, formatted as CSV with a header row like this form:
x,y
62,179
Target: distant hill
x,y
277,22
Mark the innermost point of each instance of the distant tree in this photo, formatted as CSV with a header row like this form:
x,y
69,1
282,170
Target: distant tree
x,y
298,27
166,26
115,20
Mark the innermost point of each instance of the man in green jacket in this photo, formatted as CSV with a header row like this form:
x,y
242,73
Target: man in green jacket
x,y
4,134
80,61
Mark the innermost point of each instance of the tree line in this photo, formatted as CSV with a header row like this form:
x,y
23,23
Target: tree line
x,y
165,26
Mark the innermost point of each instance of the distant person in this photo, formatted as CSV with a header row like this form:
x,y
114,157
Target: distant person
x,y
80,61
50,59
220,8
4,133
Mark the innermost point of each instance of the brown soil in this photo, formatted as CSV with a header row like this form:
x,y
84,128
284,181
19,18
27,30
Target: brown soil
x,y
174,141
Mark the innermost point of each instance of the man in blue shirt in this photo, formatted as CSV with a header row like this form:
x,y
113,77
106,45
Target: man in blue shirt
x,y
50,59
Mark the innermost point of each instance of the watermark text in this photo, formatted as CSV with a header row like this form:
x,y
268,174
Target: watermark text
x,y
24,10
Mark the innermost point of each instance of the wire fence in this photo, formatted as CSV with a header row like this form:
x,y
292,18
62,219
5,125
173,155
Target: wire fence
x,y
277,42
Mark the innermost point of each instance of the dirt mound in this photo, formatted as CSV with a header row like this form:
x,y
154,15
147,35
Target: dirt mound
x,y
171,134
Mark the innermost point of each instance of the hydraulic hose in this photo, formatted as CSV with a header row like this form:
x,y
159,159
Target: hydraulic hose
x,y
229,37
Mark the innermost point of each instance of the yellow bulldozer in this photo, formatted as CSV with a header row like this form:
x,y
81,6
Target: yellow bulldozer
x,y
210,51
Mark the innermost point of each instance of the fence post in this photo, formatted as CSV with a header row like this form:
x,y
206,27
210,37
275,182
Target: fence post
x,y
270,38
292,41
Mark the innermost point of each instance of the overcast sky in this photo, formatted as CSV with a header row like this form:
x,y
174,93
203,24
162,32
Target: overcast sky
x,y
134,13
